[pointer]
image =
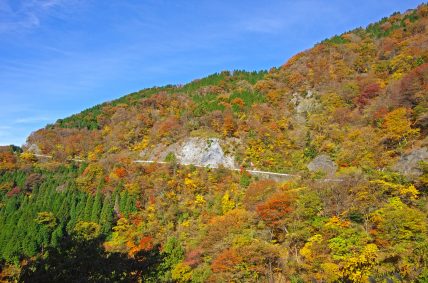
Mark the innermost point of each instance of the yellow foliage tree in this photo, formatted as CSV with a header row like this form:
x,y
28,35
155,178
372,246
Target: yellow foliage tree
x,y
358,268
308,249
227,203
182,273
397,127
28,156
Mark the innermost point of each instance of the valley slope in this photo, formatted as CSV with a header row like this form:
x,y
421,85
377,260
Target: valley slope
x,y
348,117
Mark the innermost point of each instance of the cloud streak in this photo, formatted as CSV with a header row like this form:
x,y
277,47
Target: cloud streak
x,y
20,14
31,120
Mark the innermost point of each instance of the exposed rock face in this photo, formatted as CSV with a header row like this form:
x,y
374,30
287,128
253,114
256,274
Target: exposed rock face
x,y
305,103
408,165
204,152
198,151
324,164
34,149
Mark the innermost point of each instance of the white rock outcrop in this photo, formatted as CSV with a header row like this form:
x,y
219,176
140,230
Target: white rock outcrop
x,y
205,152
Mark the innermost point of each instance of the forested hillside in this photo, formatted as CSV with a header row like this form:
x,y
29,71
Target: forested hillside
x,y
347,118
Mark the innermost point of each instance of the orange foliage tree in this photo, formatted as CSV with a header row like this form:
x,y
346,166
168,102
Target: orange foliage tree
x,y
274,211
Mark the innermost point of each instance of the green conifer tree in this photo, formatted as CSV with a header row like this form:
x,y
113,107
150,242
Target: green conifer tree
x,y
106,217
96,208
88,208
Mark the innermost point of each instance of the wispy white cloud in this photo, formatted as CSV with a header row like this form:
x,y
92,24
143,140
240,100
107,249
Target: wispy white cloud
x,y
30,120
24,14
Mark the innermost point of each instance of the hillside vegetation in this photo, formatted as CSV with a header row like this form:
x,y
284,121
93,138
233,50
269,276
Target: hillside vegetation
x,y
358,101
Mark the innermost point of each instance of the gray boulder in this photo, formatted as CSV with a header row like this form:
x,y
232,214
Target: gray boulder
x,y
408,165
324,164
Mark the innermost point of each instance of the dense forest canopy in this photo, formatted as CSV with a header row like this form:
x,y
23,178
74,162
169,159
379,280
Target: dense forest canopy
x,y
347,118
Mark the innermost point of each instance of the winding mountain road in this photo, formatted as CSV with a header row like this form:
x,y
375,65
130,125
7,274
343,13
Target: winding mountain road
x,y
271,175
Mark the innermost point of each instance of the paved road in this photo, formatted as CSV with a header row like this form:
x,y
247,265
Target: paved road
x,y
252,172
272,175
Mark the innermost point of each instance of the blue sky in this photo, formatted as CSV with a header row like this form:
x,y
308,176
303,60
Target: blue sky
x,y
58,57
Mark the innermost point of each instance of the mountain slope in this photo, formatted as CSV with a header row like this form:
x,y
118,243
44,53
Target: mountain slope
x,y
348,118
354,79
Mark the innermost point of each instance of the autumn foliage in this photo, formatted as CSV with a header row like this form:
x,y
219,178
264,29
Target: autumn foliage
x,y
274,210
355,103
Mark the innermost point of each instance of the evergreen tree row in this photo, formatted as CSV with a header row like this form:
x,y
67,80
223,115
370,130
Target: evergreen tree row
x,y
44,206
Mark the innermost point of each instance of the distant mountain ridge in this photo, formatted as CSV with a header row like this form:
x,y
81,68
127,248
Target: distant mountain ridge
x,y
356,78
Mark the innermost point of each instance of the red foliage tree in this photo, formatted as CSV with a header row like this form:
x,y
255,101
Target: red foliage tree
x,y
274,210
415,85
226,261
258,192
7,160
120,172
167,127
368,92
